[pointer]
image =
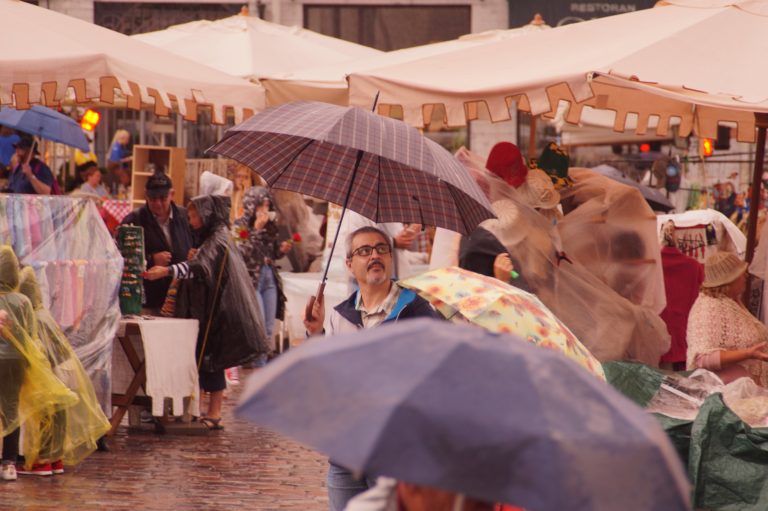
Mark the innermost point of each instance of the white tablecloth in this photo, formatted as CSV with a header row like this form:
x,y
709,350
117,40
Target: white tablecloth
x,y
168,349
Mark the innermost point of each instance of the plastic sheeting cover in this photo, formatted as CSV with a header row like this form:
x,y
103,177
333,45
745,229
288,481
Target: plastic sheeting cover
x,y
609,228
609,325
78,268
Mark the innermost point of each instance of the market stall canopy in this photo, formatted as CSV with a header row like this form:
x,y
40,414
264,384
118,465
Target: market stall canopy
x,y
250,47
66,52
328,83
686,59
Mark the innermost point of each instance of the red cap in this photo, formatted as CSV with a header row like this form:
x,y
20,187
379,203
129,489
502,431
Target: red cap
x,y
506,161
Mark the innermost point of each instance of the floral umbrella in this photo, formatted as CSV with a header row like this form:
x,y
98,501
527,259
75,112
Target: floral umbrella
x,y
500,307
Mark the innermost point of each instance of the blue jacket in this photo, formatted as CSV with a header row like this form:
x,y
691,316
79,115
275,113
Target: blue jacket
x,y
346,318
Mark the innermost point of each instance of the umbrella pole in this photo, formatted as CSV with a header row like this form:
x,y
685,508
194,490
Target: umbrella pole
x,y
761,121
321,288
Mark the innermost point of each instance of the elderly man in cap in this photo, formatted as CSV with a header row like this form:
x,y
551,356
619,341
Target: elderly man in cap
x,y
167,235
30,175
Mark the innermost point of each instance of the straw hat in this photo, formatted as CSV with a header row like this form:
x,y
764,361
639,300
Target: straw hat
x,y
722,268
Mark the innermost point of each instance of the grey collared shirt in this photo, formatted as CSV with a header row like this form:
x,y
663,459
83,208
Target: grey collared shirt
x,y
379,313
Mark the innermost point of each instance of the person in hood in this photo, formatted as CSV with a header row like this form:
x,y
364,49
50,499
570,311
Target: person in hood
x,y
378,301
261,243
70,435
29,391
216,290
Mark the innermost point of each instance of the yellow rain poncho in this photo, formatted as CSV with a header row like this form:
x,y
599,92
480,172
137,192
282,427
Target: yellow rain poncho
x,y
69,435
28,388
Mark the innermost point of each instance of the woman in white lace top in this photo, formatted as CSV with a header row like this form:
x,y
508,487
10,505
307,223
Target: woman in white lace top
x,y
723,336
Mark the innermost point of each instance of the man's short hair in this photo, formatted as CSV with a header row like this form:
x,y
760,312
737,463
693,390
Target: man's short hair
x,y
363,230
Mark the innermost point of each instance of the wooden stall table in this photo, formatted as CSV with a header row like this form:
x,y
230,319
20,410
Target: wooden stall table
x,y
157,356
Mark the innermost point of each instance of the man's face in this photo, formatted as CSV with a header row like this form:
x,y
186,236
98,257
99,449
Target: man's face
x,y
22,153
374,269
160,206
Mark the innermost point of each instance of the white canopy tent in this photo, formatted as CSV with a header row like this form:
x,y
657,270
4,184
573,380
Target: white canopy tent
x,y
693,61
328,83
250,47
48,56
697,58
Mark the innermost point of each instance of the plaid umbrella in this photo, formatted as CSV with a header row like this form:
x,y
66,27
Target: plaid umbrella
x,y
379,167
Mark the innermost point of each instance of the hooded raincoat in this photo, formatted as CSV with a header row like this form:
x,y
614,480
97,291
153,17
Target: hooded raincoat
x,y
29,391
69,435
220,291
260,247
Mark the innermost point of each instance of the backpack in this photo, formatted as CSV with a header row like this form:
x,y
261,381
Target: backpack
x,y
55,188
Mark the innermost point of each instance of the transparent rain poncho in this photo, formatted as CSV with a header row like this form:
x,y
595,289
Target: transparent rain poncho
x,y
609,325
681,397
609,228
69,435
29,389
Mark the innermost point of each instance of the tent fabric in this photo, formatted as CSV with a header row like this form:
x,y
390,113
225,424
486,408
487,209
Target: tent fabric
x,y
95,62
328,83
664,69
235,45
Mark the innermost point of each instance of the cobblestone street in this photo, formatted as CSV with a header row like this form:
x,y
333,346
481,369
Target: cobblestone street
x,y
241,467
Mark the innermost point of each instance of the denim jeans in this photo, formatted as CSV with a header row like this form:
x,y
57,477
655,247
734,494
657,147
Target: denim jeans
x,y
342,486
267,298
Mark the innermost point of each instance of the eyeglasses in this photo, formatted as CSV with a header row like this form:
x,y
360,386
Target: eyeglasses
x,y
366,250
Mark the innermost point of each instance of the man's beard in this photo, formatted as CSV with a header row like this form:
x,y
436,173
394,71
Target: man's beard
x,y
375,280
378,278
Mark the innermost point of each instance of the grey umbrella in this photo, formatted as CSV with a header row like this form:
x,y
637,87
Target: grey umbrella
x,y
462,409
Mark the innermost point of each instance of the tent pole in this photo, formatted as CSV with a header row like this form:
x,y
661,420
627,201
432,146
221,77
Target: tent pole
x,y
532,138
761,121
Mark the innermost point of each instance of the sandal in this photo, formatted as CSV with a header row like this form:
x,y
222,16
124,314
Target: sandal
x,y
211,423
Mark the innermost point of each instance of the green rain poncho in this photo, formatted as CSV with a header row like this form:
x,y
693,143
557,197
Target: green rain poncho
x,y
28,388
69,435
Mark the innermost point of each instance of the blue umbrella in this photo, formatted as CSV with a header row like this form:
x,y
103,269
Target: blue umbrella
x,y
465,410
46,123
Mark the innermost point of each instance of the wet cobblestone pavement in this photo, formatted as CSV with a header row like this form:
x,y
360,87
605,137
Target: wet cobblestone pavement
x,y
241,467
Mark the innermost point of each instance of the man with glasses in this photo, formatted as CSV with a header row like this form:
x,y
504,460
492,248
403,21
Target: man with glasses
x,y
167,236
377,301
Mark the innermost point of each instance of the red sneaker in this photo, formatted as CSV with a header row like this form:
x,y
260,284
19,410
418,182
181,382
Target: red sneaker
x,y
57,467
38,469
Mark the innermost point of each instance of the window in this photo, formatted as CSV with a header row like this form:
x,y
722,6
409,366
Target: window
x,y
389,27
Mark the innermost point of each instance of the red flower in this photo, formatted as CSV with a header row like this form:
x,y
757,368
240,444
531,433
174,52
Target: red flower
x,y
296,237
243,234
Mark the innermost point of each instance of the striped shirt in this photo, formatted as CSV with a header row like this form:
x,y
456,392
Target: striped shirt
x,y
181,271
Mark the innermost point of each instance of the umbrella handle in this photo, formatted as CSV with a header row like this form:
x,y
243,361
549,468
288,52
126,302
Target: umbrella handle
x,y
312,299
31,151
